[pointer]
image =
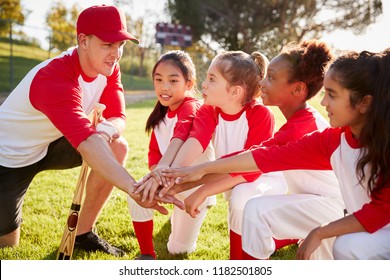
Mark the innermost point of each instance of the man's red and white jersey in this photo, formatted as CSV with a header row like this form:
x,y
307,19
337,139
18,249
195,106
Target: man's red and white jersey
x,y
52,101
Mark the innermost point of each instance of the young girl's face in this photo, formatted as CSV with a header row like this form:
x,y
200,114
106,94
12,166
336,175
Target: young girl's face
x,y
275,88
338,105
215,88
170,85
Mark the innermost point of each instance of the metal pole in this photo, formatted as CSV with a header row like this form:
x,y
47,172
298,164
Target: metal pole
x,y
11,58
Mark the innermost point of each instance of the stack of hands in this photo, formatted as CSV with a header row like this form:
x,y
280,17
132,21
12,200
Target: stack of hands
x,y
163,183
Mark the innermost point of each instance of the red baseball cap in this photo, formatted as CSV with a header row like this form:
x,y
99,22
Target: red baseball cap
x,y
108,23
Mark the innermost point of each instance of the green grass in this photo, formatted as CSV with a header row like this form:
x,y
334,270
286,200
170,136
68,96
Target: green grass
x,y
24,59
48,199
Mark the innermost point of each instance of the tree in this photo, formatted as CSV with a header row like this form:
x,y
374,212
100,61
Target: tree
x,y
10,11
62,21
137,59
269,24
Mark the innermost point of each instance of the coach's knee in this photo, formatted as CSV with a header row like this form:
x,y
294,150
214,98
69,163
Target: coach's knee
x,y
120,148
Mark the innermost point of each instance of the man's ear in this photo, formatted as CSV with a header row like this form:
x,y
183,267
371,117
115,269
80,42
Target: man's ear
x,y
365,103
82,40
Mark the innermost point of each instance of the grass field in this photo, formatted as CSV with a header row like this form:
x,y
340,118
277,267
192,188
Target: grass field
x,y
48,199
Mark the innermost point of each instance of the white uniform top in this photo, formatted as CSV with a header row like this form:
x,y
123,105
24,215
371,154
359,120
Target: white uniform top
x,y
230,133
53,100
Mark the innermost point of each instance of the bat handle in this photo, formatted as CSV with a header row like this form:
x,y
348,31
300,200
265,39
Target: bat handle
x,y
97,113
68,239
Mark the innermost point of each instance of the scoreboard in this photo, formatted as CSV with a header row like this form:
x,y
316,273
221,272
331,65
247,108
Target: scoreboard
x,y
170,34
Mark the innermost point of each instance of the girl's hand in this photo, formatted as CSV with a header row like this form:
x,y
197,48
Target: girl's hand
x,y
148,189
170,199
157,173
184,174
142,180
156,203
309,245
192,203
149,186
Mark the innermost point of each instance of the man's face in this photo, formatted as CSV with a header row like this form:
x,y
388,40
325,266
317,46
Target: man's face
x,y
101,57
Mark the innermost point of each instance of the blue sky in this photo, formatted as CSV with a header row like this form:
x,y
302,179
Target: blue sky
x,y
376,37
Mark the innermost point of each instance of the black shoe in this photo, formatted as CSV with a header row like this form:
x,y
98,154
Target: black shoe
x,y
91,242
145,257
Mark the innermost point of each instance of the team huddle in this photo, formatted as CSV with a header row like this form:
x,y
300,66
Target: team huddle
x,y
324,185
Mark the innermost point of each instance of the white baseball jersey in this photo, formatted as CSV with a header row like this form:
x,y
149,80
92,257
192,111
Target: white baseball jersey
x,y
52,101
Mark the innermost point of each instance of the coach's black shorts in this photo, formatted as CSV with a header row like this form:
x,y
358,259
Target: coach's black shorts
x,y
15,181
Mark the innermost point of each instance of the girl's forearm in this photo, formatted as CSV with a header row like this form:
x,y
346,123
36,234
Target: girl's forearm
x,y
225,180
222,185
348,224
171,152
243,162
189,151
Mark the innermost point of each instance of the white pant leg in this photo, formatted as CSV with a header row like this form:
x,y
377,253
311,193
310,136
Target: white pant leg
x,y
138,213
267,184
185,229
363,246
287,217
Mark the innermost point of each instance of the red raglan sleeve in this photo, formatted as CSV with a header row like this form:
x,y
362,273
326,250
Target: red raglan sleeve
x,y
375,214
185,118
154,154
311,152
113,96
261,124
56,93
204,125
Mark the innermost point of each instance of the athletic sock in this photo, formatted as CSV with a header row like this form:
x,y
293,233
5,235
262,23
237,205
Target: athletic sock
x,y
144,233
235,246
280,243
246,256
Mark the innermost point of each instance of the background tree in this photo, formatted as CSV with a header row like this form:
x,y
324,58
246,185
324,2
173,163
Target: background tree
x,y
269,24
139,59
10,10
62,23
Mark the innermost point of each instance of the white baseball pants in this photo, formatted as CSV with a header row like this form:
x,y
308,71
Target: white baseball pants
x,y
287,217
184,229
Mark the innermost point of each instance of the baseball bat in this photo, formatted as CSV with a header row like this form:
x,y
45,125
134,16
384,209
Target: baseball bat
x,y
65,250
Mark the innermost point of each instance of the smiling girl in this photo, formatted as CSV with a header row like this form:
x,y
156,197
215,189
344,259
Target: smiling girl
x,y
174,80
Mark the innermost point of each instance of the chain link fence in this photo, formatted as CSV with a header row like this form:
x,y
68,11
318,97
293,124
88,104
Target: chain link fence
x,y
21,48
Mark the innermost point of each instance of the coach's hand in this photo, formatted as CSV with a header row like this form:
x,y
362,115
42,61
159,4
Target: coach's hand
x,y
156,203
